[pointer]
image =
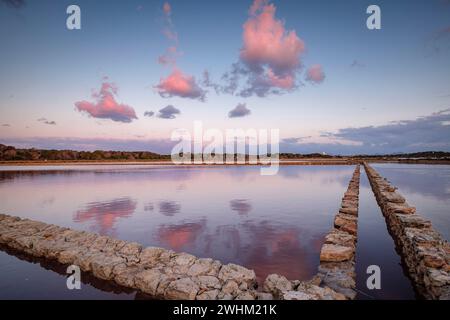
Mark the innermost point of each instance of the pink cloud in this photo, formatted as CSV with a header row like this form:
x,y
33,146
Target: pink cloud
x,y
177,83
106,106
169,30
167,9
315,74
170,34
181,85
170,56
269,49
286,82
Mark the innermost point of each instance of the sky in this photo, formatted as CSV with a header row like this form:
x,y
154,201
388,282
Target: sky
x,y
138,70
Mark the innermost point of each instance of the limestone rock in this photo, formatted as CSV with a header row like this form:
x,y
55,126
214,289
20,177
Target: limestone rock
x,y
102,266
276,285
413,221
336,253
224,296
264,296
350,211
182,289
204,267
245,295
181,262
237,273
125,275
403,208
298,295
131,252
393,197
339,237
150,255
148,280
437,277
208,295
230,287
350,227
320,293
99,243
207,282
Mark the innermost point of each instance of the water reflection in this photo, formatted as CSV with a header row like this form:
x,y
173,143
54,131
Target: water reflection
x,y
289,251
241,206
169,208
265,247
273,224
43,272
426,187
180,237
149,207
103,215
432,181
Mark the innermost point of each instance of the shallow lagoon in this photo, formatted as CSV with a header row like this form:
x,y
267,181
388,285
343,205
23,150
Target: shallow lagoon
x,y
272,224
426,187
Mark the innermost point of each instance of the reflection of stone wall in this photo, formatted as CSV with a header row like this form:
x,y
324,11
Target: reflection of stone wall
x,y
425,253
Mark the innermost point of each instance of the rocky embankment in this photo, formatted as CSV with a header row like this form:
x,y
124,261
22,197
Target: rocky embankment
x,y
425,254
158,272
337,257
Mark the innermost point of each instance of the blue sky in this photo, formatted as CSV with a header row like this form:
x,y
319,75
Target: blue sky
x,y
372,78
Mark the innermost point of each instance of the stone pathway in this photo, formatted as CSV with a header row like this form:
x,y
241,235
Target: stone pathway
x,y
424,252
337,257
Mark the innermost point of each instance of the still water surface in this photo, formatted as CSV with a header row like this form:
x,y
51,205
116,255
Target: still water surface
x,y
272,224
426,187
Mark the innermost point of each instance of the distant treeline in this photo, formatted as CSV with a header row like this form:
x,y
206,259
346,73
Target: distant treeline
x,y
415,155
10,153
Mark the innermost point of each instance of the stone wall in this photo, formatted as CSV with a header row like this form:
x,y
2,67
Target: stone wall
x,y
425,254
157,272
337,256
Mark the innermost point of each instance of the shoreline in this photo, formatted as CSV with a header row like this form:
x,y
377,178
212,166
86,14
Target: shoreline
x,y
170,163
343,161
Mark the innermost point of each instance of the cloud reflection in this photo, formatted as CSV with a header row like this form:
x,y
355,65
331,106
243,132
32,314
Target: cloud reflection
x,y
262,246
180,237
104,215
241,206
149,207
169,208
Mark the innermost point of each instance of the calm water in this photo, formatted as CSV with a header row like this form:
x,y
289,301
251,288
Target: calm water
x,y
426,187
272,224
376,247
